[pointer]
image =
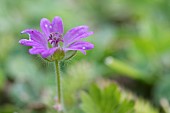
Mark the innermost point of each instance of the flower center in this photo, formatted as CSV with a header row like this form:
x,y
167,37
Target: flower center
x,y
55,38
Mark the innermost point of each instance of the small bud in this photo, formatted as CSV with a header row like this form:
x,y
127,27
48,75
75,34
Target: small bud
x,y
58,107
58,54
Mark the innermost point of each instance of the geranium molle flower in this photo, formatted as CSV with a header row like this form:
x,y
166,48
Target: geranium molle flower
x,y
51,39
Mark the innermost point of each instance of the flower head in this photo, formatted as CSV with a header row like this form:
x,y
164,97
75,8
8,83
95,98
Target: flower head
x,y
52,38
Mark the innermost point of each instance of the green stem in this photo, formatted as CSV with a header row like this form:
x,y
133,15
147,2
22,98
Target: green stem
x,y
58,81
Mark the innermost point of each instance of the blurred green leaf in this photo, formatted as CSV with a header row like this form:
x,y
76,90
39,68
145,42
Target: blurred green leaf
x,y
107,100
142,106
77,77
21,67
126,70
2,79
8,109
161,90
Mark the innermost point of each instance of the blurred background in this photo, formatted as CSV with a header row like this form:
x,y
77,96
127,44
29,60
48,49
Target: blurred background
x,y
128,71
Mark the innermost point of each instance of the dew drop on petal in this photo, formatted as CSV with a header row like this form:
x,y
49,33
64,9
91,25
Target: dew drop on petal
x,y
50,26
46,25
83,47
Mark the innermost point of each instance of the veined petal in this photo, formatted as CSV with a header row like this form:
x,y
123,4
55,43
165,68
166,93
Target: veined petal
x,y
81,46
36,36
46,27
76,34
36,50
48,52
57,25
26,42
43,52
74,31
38,42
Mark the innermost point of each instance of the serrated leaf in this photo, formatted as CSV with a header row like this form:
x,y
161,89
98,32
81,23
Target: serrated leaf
x,y
95,93
91,107
108,100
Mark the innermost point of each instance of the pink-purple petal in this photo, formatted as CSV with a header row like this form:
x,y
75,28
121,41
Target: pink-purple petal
x,y
36,36
72,32
57,25
43,52
48,52
76,34
38,42
26,42
46,27
84,35
81,46
36,50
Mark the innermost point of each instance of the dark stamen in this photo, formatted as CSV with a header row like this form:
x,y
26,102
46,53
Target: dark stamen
x,y
52,42
55,38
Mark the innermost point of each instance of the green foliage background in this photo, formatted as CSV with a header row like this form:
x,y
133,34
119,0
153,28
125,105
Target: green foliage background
x,y
127,70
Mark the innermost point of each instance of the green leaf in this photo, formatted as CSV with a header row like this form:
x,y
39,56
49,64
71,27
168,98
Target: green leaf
x,y
2,79
107,100
140,104
127,70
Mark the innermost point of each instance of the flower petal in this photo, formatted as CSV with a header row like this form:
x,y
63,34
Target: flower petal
x,y
46,27
76,34
38,42
43,52
36,50
26,42
57,25
81,46
48,52
36,36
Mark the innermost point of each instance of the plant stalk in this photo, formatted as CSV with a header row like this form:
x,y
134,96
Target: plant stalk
x,y
57,66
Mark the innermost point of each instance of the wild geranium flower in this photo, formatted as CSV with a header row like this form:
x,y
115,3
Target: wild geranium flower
x,y
52,39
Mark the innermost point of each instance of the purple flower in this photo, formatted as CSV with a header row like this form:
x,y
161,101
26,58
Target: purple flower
x,y
51,39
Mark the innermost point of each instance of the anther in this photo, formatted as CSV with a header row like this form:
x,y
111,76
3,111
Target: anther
x,y
54,38
52,42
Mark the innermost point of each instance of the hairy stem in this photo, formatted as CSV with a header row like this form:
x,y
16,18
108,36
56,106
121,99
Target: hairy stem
x,y
57,66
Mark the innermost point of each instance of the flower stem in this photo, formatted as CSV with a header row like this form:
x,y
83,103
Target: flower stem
x,y
57,66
